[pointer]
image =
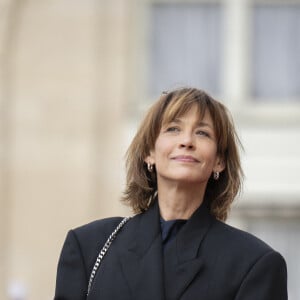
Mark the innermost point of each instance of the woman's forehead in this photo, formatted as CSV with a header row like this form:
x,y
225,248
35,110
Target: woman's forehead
x,y
173,113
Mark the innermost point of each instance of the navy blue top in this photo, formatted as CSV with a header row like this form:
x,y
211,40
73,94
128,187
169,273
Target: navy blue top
x,y
169,230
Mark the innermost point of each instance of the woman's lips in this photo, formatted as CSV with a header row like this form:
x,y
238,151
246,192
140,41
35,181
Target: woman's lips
x,y
185,158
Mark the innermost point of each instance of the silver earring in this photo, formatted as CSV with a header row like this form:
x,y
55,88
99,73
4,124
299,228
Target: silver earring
x,y
216,175
150,167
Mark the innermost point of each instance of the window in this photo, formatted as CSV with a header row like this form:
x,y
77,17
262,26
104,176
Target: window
x,y
276,52
185,46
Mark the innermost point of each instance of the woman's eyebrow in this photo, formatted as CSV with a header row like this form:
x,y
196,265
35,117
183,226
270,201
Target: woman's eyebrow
x,y
177,120
204,124
200,123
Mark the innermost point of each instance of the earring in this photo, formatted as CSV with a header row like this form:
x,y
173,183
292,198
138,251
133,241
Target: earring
x,y
216,175
150,167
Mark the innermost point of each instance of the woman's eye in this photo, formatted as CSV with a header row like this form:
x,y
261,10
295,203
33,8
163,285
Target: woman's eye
x,y
201,132
172,129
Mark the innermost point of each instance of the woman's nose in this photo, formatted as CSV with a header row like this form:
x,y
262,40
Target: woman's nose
x,y
187,141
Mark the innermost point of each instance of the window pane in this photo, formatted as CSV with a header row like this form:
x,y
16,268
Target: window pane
x,y
276,51
185,46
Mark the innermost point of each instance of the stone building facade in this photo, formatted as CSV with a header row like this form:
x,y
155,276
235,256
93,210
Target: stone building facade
x,y
75,79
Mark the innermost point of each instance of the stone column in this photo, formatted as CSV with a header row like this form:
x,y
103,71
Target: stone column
x,y
8,26
236,50
112,82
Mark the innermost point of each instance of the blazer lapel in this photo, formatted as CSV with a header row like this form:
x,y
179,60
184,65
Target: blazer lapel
x,y
181,261
142,261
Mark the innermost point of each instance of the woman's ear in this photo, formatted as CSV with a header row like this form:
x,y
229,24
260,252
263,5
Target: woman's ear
x,y
147,160
219,165
150,158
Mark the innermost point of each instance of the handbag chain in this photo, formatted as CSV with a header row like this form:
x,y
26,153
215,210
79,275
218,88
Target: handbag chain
x,y
104,250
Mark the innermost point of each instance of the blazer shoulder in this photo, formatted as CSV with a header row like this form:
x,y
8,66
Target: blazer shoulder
x,y
249,257
91,237
94,228
234,238
78,255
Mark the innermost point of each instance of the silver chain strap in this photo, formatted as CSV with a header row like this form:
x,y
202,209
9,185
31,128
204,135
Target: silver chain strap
x,y
104,250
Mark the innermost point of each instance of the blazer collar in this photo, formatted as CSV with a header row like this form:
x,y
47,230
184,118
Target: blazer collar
x,y
149,275
190,237
181,260
147,230
146,227
142,260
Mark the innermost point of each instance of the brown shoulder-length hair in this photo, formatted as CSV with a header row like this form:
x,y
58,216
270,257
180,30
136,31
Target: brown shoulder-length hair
x,y
141,186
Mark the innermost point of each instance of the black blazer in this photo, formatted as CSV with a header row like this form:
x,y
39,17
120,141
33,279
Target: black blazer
x,y
207,260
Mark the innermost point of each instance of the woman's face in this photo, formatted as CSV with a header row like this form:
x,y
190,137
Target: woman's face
x,y
186,150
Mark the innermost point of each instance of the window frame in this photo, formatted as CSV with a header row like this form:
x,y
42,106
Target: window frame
x,y
235,77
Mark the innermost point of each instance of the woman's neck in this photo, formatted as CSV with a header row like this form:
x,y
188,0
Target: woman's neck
x,y
178,202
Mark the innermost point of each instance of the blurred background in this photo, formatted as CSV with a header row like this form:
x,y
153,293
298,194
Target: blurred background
x,y
76,77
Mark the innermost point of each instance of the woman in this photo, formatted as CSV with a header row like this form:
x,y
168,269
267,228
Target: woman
x,y
183,172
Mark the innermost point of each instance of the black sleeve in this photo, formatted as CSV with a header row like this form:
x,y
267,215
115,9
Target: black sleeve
x,y
266,280
71,280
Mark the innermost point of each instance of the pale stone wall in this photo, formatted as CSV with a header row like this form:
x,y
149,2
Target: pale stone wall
x,y
62,94
6,27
